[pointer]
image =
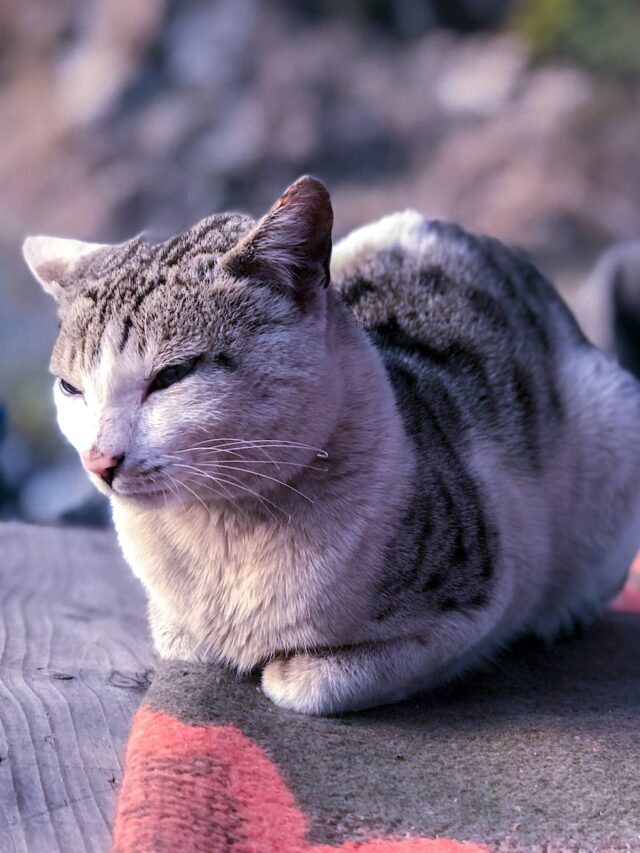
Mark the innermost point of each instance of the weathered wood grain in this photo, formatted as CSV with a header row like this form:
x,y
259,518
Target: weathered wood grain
x,y
75,661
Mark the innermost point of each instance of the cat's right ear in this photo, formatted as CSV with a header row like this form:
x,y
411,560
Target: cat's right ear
x,y
51,259
290,247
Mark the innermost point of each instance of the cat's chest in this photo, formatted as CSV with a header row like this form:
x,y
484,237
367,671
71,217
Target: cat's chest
x,y
230,588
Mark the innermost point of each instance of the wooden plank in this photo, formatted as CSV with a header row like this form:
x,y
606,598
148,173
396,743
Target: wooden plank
x,y
75,661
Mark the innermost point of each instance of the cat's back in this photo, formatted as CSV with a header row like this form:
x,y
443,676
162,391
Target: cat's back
x,y
464,324
523,427
417,281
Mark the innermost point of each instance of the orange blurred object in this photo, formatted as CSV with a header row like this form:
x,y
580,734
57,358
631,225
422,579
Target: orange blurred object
x,y
629,597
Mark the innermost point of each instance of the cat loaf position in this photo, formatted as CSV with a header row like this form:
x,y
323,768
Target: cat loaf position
x,y
363,473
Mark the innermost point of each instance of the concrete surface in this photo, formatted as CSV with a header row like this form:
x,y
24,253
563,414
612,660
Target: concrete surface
x,y
539,752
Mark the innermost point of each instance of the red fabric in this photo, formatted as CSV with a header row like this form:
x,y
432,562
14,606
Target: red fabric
x,y
629,598
209,789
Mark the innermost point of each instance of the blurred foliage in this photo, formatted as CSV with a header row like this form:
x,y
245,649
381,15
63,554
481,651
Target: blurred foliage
x,y
601,34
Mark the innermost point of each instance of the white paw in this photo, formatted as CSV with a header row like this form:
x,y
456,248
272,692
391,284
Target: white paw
x,y
305,683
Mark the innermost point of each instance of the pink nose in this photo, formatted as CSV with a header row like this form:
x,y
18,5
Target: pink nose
x,y
103,466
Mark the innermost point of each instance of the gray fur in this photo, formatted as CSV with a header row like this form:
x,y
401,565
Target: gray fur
x,y
364,489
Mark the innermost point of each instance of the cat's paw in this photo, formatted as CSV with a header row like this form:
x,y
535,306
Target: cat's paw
x,y
352,678
308,684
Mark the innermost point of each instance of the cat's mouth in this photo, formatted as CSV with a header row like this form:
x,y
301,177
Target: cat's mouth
x,y
141,486
147,497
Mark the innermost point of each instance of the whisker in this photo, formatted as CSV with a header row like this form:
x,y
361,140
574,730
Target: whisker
x,y
263,450
227,495
171,483
267,477
232,481
196,496
155,480
217,492
244,461
219,440
199,471
236,443
238,449
196,450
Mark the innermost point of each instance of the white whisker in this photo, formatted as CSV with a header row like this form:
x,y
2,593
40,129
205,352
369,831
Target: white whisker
x,y
171,483
163,491
199,471
219,465
232,481
196,496
273,479
244,461
236,444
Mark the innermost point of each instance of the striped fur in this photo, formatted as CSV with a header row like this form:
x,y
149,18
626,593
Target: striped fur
x,y
428,458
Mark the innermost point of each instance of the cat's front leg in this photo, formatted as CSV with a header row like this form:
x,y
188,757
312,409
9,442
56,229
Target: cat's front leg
x,y
349,678
170,640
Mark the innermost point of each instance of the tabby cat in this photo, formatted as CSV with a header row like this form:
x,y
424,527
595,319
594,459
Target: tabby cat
x,y
362,474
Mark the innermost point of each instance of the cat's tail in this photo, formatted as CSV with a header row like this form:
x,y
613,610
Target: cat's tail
x,y
625,293
608,304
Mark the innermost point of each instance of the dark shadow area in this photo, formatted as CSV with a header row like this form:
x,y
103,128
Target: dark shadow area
x,y
593,671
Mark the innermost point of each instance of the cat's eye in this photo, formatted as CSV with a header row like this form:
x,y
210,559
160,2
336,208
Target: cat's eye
x,y
172,374
68,389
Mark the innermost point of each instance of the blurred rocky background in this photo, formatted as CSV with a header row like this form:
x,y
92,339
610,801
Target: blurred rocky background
x,y
517,118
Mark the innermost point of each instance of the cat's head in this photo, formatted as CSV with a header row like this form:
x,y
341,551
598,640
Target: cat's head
x,y
207,355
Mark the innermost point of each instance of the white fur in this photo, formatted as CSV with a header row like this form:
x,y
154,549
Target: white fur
x,y
594,517
105,419
407,230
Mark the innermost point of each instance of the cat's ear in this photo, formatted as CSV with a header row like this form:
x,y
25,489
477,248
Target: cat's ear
x,y
51,259
290,247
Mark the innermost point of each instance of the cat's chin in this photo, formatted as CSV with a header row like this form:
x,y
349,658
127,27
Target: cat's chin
x,y
144,500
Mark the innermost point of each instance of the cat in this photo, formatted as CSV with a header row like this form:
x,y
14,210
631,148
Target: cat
x,y
363,473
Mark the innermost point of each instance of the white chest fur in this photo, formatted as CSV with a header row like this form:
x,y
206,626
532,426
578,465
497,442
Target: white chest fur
x,y
238,590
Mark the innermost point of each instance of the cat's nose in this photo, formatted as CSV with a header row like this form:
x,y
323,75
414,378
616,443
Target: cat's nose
x,y
104,466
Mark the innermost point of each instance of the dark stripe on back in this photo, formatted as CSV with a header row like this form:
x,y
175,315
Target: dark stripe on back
x,y
446,548
356,290
455,360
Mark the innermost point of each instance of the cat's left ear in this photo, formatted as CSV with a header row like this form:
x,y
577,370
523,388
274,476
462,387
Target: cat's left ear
x,y
51,259
290,247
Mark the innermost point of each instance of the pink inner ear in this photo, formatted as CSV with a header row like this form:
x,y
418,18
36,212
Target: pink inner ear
x,y
304,204
284,200
51,271
303,217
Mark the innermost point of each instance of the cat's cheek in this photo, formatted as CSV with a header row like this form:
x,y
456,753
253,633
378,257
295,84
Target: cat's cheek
x,y
179,419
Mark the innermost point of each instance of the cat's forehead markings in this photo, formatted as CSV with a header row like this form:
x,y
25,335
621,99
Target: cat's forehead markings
x,y
111,308
126,276
113,376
